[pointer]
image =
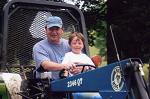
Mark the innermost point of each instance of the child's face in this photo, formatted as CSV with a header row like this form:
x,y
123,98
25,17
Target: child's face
x,y
76,45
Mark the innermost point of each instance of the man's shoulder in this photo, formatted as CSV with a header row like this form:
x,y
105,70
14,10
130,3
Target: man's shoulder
x,y
64,40
42,42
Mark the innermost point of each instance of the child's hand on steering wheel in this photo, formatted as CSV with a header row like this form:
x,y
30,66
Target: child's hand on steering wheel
x,y
78,69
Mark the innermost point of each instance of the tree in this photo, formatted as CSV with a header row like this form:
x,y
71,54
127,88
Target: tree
x,y
131,22
95,19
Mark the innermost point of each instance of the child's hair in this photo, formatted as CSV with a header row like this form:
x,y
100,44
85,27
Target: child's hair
x,y
78,35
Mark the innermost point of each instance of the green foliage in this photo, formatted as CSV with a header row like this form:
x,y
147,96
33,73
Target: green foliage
x,y
95,15
100,41
130,20
95,19
99,36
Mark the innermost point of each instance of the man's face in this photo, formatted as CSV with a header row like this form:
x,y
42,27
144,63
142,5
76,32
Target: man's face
x,y
54,34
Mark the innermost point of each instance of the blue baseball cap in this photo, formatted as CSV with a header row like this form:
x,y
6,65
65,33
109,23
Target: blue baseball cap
x,y
54,21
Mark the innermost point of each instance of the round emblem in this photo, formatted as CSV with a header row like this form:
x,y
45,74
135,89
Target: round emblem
x,y
116,79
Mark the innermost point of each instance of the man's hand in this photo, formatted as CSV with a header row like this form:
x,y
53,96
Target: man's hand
x,y
69,66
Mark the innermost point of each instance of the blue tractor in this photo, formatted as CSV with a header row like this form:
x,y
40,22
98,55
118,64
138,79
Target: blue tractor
x,y
22,23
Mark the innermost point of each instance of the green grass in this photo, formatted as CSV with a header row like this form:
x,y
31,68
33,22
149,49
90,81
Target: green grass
x,y
145,68
93,51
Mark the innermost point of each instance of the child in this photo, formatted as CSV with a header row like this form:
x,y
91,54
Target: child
x,y
76,42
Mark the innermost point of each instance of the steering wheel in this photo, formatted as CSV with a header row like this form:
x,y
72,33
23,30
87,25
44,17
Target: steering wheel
x,y
78,65
63,74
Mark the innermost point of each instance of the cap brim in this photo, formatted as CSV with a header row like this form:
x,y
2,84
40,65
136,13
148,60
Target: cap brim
x,y
53,25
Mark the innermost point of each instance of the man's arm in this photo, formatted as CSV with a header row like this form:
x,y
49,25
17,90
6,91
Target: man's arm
x,y
49,65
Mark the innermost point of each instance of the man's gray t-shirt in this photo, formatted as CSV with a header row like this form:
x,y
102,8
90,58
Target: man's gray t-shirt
x,y
45,50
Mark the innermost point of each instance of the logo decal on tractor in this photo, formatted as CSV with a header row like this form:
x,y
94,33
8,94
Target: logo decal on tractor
x,y
116,79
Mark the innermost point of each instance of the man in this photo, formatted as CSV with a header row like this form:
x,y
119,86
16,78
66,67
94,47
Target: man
x,y
48,53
